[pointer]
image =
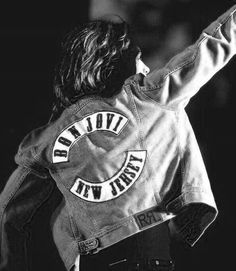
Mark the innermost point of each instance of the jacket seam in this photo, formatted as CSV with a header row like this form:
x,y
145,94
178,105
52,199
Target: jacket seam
x,y
27,165
181,154
4,206
188,62
36,158
185,64
39,205
93,221
72,225
141,138
81,107
22,176
114,227
162,106
139,120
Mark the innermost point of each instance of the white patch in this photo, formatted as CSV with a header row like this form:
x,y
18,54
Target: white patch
x,y
99,121
116,185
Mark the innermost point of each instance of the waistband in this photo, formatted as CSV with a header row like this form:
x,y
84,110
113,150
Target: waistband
x,y
142,265
127,227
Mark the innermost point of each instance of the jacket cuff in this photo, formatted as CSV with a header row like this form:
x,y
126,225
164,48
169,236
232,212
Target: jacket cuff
x,y
195,211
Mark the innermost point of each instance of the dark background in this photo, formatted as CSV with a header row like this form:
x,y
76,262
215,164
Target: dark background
x,y
29,47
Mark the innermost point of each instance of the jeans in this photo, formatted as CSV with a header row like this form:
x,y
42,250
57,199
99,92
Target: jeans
x,y
145,251
139,265
143,265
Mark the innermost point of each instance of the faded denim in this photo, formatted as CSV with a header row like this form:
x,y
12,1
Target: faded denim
x,y
166,181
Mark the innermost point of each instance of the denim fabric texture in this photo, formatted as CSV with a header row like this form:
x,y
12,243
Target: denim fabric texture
x,y
123,164
23,195
136,252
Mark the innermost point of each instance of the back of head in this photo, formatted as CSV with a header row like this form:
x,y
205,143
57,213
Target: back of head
x,y
95,60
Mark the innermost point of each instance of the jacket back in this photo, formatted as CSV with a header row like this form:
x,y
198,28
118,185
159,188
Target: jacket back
x,y
130,162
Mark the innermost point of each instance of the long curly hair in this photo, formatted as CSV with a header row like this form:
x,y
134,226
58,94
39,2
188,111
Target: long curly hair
x,y
95,60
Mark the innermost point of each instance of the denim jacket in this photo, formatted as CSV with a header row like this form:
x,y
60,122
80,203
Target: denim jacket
x,y
126,163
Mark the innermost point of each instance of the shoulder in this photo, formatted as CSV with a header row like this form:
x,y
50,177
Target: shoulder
x,y
35,146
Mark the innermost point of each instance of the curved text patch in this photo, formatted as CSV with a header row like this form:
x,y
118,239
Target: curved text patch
x,y
99,121
116,185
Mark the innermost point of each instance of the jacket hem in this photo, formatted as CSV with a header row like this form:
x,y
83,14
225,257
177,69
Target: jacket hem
x,y
69,257
129,226
195,211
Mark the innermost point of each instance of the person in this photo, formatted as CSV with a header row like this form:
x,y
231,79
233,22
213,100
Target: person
x,y
121,151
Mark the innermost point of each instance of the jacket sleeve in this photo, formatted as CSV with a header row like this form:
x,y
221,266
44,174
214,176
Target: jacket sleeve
x,y
188,71
22,196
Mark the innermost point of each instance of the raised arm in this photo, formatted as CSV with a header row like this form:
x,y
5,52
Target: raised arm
x,y
188,71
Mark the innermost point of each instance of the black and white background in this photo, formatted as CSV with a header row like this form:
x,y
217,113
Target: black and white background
x,y
30,35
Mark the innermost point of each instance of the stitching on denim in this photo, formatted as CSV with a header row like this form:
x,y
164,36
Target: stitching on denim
x,y
118,225
71,221
192,190
36,207
141,137
139,120
40,204
82,104
76,110
37,159
82,202
72,226
188,62
28,164
162,106
71,251
182,160
124,223
21,175
225,20
193,58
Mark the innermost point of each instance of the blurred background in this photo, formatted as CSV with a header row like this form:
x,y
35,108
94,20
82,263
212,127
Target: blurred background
x,y
30,38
